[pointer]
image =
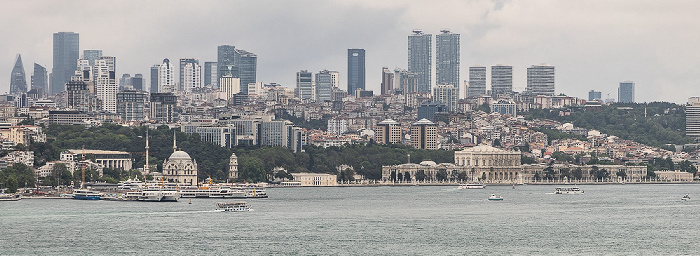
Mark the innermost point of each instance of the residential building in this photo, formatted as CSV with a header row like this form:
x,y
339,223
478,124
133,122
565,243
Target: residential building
x,y
190,74
595,95
477,82
504,107
540,80
356,70
65,53
79,97
230,86
388,132
625,93
447,94
387,81
166,77
18,80
163,107
447,58
105,83
131,105
424,135
420,58
501,80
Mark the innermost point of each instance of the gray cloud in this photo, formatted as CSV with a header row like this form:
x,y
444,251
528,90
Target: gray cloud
x,y
593,44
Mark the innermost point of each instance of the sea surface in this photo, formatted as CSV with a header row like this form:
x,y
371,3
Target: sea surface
x,y
413,220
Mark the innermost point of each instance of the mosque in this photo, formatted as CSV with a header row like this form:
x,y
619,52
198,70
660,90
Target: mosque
x,y
180,167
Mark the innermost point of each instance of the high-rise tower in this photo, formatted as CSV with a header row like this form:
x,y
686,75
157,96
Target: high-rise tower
x,y
501,80
190,74
166,77
40,78
420,58
65,56
447,58
18,80
356,70
540,80
477,82
106,87
625,93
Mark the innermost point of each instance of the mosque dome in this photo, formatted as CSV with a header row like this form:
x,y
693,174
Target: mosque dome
x,y
180,155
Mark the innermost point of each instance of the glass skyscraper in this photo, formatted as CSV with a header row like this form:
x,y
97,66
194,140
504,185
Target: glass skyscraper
x,y
237,63
625,93
65,59
540,80
356,70
447,58
18,81
40,78
501,80
210,77
420,58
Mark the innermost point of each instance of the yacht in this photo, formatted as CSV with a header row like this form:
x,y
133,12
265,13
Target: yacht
x,y
233,207
10,197
478,185
84,194
567,190
494,197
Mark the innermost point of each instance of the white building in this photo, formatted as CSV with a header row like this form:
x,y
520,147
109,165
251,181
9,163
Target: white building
x,y
166,77
106,87
192,76
338,125
315,179
180,167
229,85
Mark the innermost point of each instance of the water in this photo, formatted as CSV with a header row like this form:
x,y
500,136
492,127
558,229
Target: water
x,y
419,220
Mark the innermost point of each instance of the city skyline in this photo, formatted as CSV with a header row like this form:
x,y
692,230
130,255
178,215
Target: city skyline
x,y
509,33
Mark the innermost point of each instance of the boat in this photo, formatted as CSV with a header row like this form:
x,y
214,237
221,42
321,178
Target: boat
x,y
494,197
212,192
255,192
567,190
686,197
477,185
233,207
10,197
84,194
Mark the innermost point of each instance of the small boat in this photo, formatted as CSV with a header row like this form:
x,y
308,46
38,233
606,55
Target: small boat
x,y
478,185
84,194
10,197
233,207
686,197
494,197
567,190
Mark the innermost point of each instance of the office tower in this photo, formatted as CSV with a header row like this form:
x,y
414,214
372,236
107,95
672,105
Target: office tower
x,y
91,56
447,58
191,75
625,93
324,86
106,87
409,82
356,70
427,110
131,105
65,54
79,97
125,81
501,80
163,107
154,78
540,80
305,89
225,61
420,58
40,79
335,79
595,95
18,80
692,117
447,94
477,82
247,65
230,86
187,67
137,82
85,73
387,81
210,77
166,77
388,132
424,135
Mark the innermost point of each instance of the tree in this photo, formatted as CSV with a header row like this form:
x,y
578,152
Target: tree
x,y
549,173
577,173
420,175
407,176
462,175
251,169
621,173
441,175
11,184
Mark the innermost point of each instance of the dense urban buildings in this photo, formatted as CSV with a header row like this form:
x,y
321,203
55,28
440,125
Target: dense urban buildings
x,y
420,59
163,107
625,93
131,105
387,81
501,80
595,95
447,58
305,89
356,70
477,82
18,80
540,80
65,56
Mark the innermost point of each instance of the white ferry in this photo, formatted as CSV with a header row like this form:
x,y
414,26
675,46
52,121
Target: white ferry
x,y
567,190
10,197
233,207
84,194
212,192
472,186
153,195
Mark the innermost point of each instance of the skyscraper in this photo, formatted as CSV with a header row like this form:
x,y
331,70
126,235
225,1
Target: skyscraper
x,y
501,80
540,80
692,117
182,86
137,82
65,56
106,87
91,56
420,58
166,77
163,107
247,65
40,78
335,79
387,81
447,94
447,58
324,86
477,82
305,89
154,78
595,95
230,86
625,93
210,77
18,80
131,105
356,70
225,61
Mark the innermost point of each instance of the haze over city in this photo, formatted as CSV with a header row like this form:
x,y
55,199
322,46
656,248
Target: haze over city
x,y
594,45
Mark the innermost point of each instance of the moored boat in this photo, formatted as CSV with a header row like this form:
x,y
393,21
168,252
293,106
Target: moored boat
x,y
10,197
567,190
240,206
84,194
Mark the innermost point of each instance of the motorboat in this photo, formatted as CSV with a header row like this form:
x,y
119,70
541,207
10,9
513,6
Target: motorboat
x,y
477,185
10,197
686,197
84,194
494,197
567,190
240,206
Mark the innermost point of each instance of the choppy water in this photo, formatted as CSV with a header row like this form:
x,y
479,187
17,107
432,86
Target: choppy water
x,y
421,220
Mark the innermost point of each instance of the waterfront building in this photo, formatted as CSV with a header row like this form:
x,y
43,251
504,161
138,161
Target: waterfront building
x,y
356,70
420,58
131,105
40,80
210,75
447,58
315,179
540,80
501,80
233,167
625,93
180,167
190,74
477,82
107,158
424,135
166,77
387,81
163,107
106,83
154,78
18,80
674,176
324,86
446,94
65,53
388,132
595,95
305,87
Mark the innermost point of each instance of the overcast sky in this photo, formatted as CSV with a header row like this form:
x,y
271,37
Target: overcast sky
x,y
592,44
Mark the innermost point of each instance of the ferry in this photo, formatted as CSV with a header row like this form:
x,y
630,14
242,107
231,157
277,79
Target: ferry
x,y
567,190
212,192
233,207
472,186
494,197
10,197
255,192
84,194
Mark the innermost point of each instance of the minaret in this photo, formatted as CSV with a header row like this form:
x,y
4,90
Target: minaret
x,y
174,142
146,169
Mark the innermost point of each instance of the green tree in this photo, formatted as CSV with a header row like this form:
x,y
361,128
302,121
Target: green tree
x,y
621,173
420,175
441,175
251,169
12,185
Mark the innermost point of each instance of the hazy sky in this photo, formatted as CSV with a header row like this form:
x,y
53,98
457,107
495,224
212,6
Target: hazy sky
x,y
593,44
